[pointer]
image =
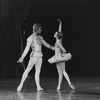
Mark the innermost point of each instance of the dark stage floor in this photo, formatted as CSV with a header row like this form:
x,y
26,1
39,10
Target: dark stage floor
x,y
88,88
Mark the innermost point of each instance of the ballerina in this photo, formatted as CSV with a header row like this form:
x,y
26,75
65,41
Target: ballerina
x,y
60,57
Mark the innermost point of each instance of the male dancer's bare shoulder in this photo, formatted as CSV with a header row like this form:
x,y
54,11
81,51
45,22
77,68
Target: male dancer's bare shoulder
x,y
29,39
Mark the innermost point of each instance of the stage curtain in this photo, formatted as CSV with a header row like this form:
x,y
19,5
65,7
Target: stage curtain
x,y
12,12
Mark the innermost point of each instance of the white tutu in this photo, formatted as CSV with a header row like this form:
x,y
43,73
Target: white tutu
x,y
60,58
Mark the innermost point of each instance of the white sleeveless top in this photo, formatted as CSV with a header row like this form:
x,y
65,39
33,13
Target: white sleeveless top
x,y
36,46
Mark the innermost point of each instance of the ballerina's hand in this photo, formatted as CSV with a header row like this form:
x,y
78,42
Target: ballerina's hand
x,y
59,20
20,60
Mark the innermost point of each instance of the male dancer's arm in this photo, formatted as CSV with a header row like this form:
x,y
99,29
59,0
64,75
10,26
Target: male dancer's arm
x,y
46,44
29,40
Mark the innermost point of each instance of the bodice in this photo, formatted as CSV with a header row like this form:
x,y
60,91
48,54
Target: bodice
x,y
57,48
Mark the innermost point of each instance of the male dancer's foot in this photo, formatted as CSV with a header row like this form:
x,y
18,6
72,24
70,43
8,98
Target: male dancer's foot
x,y
39,89
58,88
19,87
72,86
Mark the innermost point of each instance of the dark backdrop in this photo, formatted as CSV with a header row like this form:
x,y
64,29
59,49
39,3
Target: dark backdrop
x,y
81,22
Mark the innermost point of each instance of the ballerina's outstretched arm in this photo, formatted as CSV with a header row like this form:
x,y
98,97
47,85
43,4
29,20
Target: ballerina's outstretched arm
x,y
60,25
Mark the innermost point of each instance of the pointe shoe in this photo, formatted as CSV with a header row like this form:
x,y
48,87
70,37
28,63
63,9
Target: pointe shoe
x,y
72,86
19,88
40,89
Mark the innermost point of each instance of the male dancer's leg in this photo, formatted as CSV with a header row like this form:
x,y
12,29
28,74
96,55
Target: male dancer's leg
x,y
37,73
32,61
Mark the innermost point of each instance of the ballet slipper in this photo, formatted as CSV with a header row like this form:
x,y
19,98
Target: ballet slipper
x,y
39,89
19,88
72,86
58,88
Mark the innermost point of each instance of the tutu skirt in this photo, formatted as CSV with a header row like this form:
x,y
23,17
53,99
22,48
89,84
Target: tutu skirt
x,y
60,57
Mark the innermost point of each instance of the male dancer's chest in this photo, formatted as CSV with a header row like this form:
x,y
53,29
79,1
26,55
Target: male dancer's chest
x,y
36,42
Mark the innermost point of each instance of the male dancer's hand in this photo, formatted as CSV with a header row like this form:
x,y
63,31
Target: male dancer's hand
x,y
52,48
20,60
